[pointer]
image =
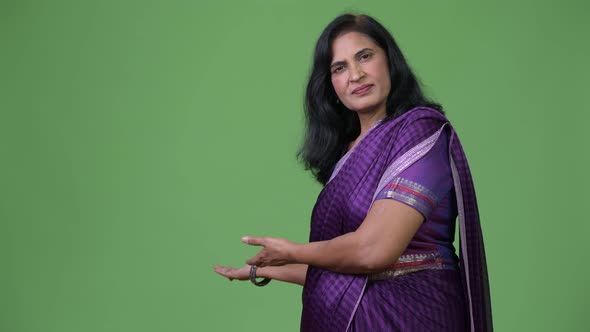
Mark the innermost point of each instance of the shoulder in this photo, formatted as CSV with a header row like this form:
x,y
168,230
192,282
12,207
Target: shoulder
x,y
424,118
410,129
419,121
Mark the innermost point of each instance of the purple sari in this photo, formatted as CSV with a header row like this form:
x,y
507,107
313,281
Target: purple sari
x,y
429,288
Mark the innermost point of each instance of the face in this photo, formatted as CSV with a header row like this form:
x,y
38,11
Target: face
x,y
360,73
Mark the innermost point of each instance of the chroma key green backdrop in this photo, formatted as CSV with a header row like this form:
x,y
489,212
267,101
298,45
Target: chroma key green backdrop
x,y
139,140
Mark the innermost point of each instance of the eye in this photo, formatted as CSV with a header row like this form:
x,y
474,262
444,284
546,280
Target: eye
x,y
338,69
365,56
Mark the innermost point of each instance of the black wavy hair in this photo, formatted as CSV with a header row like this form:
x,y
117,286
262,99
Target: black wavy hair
x,y
330,126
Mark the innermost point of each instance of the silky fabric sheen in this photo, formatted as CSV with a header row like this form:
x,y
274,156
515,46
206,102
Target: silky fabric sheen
x,y
452,299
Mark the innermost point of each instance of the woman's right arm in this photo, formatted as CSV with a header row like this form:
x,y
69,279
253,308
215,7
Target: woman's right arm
x,y
292,273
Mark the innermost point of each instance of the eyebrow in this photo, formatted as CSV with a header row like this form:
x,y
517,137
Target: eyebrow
x,y
341,62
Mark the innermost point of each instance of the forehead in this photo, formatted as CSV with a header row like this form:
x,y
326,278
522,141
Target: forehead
x,y
348,43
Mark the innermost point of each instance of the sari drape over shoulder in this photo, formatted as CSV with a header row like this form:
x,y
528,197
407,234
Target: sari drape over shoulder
x,y
416,159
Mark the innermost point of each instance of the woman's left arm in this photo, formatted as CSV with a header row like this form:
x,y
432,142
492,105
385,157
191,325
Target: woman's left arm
x,y
373,247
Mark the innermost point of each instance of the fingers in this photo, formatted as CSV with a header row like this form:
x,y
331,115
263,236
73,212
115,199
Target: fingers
x,y
226,271
261,259
223,270
256,260
254,240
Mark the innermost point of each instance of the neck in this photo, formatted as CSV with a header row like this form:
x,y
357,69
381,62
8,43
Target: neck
x,y
368,120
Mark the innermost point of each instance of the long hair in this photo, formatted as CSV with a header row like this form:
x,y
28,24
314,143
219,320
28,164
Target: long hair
x,y
330,126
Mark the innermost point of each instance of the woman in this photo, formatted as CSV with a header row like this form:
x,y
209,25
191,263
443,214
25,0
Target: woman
x,y
380,256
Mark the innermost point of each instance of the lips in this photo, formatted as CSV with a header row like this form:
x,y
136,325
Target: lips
x,y
362,89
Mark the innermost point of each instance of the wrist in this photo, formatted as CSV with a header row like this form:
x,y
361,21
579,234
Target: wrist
x,y
254,275
263,272
295,253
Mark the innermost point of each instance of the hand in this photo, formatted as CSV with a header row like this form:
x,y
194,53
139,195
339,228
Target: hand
x,y
276,251
232,273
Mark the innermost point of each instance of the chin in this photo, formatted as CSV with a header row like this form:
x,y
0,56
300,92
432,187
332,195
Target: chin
x,y
366,108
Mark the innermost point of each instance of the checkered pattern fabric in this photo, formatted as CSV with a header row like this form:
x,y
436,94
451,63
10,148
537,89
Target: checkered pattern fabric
x,y
331,300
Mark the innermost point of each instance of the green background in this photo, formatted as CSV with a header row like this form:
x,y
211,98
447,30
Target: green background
x,y
139,140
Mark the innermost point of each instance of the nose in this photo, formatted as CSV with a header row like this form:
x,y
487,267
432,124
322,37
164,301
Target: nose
x,y
355,72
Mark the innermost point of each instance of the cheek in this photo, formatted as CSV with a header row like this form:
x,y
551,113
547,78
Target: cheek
x,y
379,70
383,77
387,84
338,85
386,79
